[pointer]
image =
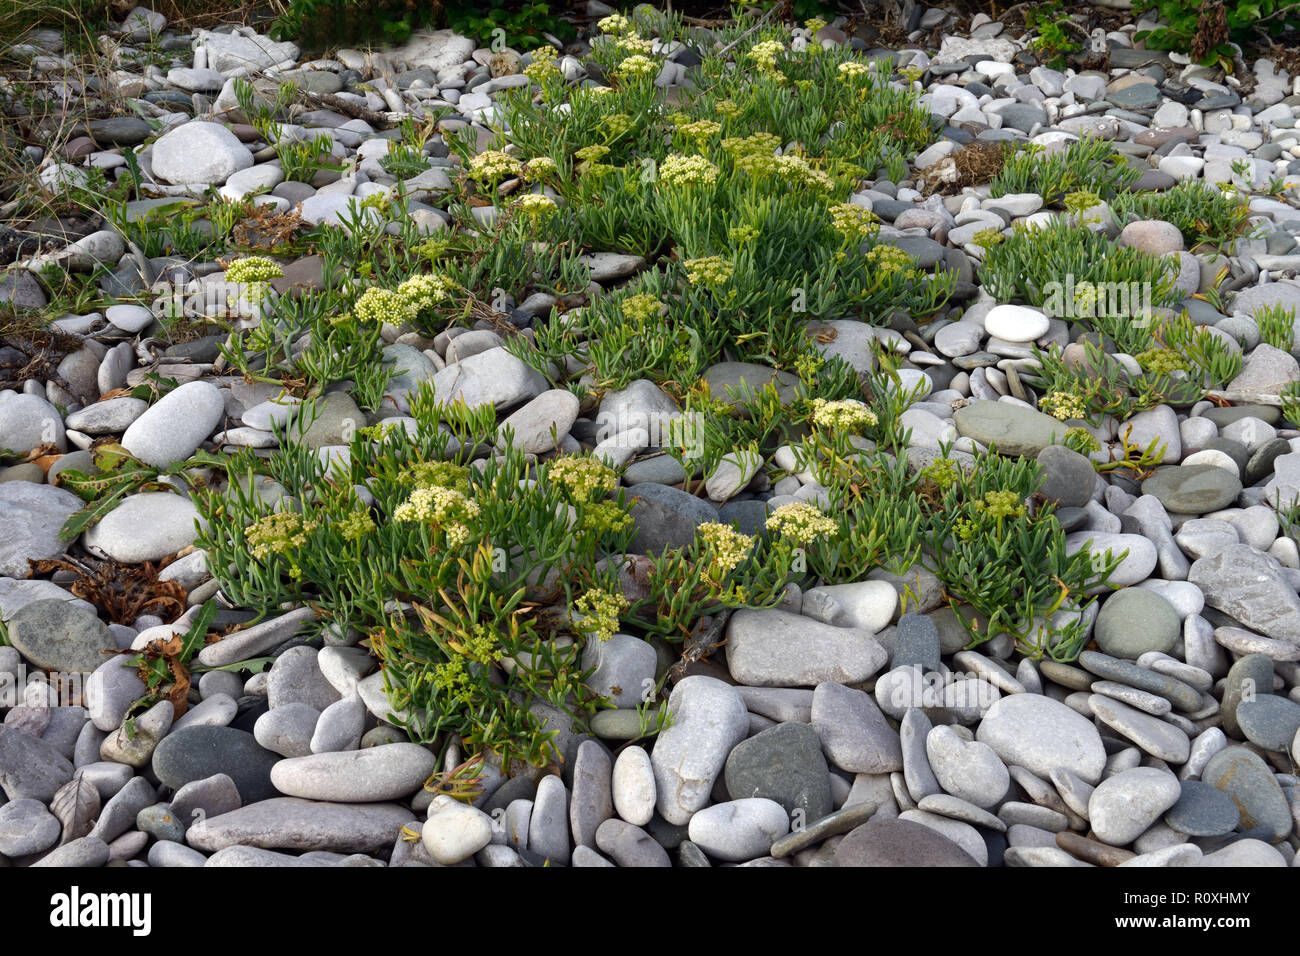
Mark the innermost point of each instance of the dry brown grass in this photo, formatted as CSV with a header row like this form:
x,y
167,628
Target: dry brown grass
x,y
972,165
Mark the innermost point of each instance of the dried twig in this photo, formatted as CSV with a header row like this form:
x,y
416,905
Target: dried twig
x,y
343,106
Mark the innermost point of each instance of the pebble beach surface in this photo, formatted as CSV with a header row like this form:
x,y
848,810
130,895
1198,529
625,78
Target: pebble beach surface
x,y
847,727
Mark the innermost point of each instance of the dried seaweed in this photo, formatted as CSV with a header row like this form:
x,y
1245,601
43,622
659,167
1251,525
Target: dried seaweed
x,y
123,592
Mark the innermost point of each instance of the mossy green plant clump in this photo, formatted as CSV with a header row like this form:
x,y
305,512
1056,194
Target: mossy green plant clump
x,y
1090,164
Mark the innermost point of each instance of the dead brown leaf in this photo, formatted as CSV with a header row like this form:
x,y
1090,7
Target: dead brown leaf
x,y
122,591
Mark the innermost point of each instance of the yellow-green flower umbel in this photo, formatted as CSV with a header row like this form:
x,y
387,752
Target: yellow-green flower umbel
x,y
801,522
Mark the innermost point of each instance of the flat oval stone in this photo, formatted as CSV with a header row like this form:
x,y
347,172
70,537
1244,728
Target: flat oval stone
x,y
386,772
771,648
709,719
195,753
144,527
454,831
1193,489
1134,621
1244,642
1269,720
33,515
1122,807
1016,323
891,842
1247,779
969,770
1203,811
60,636
946,805
1157,737
629,845
593,801
1184,697
783,764
738,830
1248,677
1041,734
854,733
1138,559
1011,429
173,428
634,786
531,427
26,827
962,834
288,823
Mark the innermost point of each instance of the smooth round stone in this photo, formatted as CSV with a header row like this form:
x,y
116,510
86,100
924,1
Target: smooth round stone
x,y
869,605
709,720
1241,853
783,764
957,339
1186,599
1135,566
774,648
1011,429
1122,807
962,834
1248,677
27,827
1269,721
195,753
1246,778
634,786
968,770
1203,811
174,427
882,841
620,668
340,726
129,318
1193,489
145,527
629,845
548,825
288,729
389,772
1152,236
1134,621
199,152
1041,735
454,831
738,830
1214,458
161,823
1068,477
295,677
854,733
1016,323
60,636
531,428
